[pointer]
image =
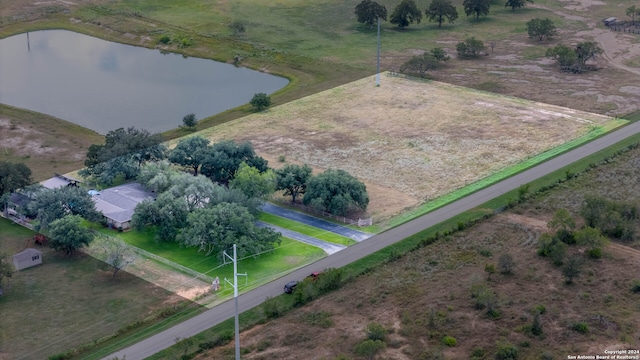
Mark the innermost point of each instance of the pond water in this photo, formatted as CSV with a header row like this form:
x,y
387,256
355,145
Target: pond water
x,y
103,85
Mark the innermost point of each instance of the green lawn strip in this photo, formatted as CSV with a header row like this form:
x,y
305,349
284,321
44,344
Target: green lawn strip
x,y
506,173
305,229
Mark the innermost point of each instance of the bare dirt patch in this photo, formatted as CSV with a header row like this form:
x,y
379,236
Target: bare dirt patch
x,y
412,138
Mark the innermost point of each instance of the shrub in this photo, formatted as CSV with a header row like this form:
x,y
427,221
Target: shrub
x,y
506,264
536,327
449,341
369,348
273,307
635,286
580,327
477,353
471,47
506,351
485,252
540,309
595,253
439,54
375,331
237,27
189,120
282,158
260,101
164,39
318,318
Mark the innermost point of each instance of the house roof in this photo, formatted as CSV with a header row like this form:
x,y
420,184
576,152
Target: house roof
x,y
59,181
19,199
118,203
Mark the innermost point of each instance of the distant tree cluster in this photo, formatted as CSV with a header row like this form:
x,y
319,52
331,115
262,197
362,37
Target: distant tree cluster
x,y
603,219
574,59
122,154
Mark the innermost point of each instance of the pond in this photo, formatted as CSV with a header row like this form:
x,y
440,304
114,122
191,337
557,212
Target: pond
x,y
103,85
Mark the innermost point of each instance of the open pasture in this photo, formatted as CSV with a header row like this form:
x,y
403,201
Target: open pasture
x,y
409,140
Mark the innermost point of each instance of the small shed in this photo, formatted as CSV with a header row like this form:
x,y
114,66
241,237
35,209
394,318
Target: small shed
x,y
609,21
27,258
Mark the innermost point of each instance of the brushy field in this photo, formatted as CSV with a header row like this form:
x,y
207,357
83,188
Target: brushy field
x,y
426,295
409,140
68,301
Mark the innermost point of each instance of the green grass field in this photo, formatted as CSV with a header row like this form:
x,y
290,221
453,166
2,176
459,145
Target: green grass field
x,y
290,254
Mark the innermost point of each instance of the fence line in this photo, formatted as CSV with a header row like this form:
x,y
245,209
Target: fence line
x,y
181,268
360,222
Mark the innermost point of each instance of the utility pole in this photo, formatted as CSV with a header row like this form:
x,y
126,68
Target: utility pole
x,y
378,69
235,295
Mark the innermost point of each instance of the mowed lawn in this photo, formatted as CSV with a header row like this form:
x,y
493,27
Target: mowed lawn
x,y
67,301
265,267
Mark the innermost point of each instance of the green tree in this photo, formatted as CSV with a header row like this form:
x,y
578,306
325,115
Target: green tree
x,y
190,121
439,54
419,65
586,51
513,4
118,254
190,152
477,7
167,213
564,225
541,28
293,180
574,60
156,176
471,47
439,10
564,55
122,154
369,11
67,234
13,176
225,158
593,239
49,205
406,13
217,228
6,269
253,183
336,192
571,269
632,11
260,101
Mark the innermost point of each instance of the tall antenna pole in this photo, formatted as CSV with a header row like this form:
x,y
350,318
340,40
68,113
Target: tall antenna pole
x,y
235,295
378,69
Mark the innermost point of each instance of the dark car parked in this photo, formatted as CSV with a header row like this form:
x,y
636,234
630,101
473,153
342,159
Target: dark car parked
x,y
290,286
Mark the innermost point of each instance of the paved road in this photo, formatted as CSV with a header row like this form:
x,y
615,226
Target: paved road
x,y
255,297
315,222
329,248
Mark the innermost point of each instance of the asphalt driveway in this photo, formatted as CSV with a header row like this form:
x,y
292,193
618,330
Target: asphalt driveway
x,y
315,222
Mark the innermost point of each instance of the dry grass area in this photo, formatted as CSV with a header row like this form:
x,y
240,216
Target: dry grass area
x,y
46,144
426,294
408,140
